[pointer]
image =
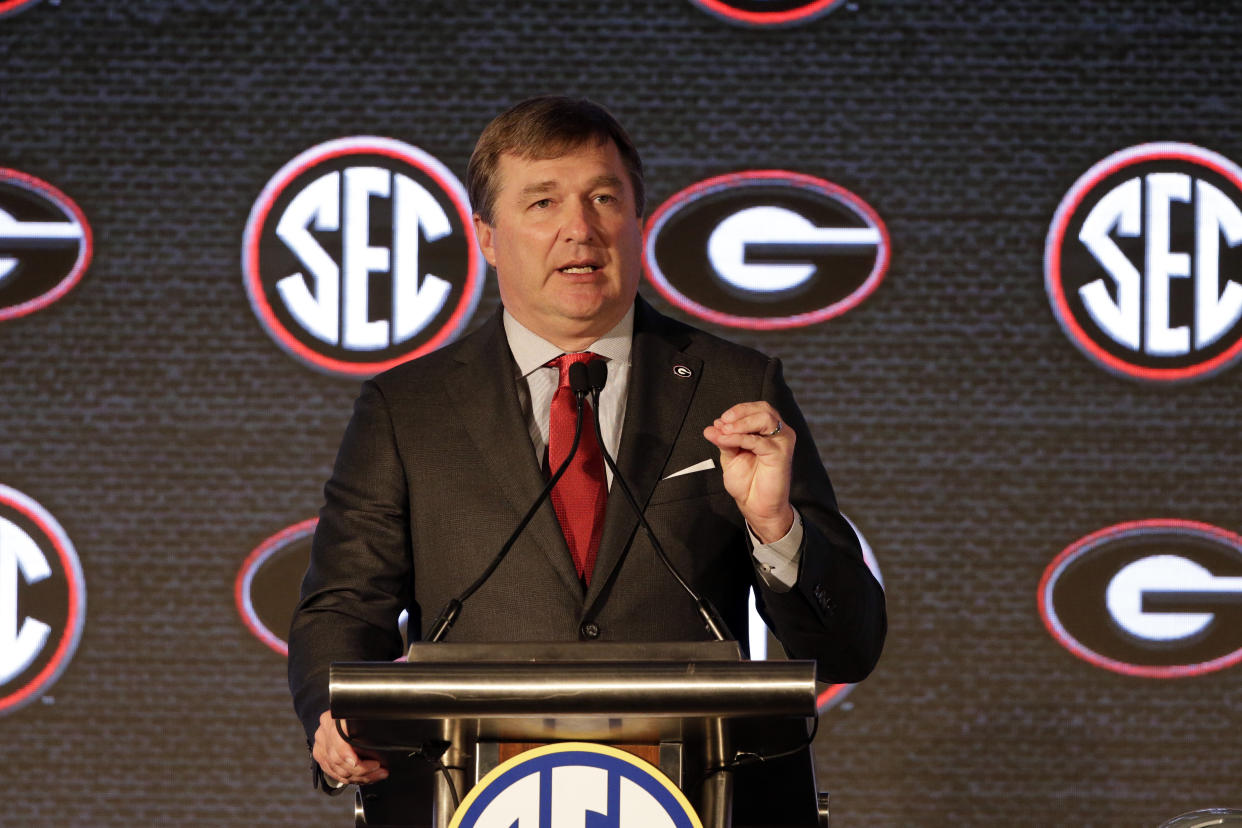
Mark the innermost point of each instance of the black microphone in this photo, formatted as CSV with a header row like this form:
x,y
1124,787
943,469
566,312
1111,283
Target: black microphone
x,y
579,379
598,373
580,384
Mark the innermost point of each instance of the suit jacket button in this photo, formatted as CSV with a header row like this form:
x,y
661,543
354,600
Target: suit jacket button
x,y
590,630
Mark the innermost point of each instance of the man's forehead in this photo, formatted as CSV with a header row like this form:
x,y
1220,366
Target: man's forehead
x,y
527,171
532,164
556,148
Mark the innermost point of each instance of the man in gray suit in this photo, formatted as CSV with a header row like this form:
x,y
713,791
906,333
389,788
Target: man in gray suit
x,y
445,453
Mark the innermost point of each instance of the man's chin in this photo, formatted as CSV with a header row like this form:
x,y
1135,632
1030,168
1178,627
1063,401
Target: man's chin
x,y
582,320
588,307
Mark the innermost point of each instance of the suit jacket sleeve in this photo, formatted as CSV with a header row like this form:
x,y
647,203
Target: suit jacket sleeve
x,y
359,579
835,613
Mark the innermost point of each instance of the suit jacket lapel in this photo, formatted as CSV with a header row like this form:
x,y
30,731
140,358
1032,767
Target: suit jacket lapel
x,y
655,410
486,403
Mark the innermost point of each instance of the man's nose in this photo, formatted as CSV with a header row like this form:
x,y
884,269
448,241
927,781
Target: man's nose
x,y
580,223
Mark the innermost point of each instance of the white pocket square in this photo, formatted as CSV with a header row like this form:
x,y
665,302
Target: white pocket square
x,y
697,467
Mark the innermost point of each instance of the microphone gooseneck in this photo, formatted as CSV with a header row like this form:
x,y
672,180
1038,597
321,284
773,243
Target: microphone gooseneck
x,y
598,375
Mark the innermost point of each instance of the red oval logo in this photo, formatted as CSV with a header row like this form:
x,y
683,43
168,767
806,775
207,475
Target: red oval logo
x,y
1143,263
42,600
267,586
767,13
360,254
1157,598
765,249
14,6
45,244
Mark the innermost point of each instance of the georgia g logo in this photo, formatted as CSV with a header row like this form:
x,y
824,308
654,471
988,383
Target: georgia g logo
x,y
1155,598
42,600
765,249
360,254
45,244
572,784
1143,263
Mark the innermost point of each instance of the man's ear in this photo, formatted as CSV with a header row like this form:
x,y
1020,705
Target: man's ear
x,y
483,232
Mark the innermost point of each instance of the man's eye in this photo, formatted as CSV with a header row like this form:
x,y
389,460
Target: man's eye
x,y
605,198
542,203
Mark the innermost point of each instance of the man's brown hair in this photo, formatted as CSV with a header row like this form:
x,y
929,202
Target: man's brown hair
x,y
546,127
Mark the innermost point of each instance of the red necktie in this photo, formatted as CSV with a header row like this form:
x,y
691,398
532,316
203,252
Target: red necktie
x,y
580,494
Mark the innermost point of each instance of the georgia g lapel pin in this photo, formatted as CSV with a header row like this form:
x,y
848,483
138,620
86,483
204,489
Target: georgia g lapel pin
x,y
682,371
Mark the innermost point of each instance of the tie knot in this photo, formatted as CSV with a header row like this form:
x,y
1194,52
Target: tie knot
x,y
563,362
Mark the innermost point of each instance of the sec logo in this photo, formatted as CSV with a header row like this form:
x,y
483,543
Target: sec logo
x,y
765,249
360,254
42,600
1156,598
45,244
572,784
1143,263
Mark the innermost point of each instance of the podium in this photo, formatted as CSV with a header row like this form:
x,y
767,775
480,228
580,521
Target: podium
x,y
443,719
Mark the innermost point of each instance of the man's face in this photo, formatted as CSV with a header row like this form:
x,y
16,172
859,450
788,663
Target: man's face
x,y
565,242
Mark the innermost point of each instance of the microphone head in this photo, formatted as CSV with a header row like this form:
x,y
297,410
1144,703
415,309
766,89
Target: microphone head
x,y
578,379
597,370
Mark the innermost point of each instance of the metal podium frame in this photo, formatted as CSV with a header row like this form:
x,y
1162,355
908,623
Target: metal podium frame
x,y
446,710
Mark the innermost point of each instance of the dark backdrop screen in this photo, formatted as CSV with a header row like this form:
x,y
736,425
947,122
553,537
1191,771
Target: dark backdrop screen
x,y
996,248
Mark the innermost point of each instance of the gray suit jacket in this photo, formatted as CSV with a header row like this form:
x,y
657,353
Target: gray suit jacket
x,y
437,467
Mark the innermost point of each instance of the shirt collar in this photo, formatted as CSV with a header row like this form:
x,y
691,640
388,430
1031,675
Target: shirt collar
x,y
531,351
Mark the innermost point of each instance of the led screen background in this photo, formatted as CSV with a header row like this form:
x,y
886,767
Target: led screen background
x,y
971,442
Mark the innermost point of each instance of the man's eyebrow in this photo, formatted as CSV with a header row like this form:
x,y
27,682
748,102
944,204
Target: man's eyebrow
x,y
606,181
543,187
538,188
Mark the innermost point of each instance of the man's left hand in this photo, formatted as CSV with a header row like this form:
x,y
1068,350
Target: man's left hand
x,y
756,453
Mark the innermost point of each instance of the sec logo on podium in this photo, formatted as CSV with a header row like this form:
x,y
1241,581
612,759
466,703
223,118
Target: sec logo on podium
x,y
575,784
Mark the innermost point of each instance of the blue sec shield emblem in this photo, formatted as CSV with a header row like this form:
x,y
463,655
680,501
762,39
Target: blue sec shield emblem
x,y
575,785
